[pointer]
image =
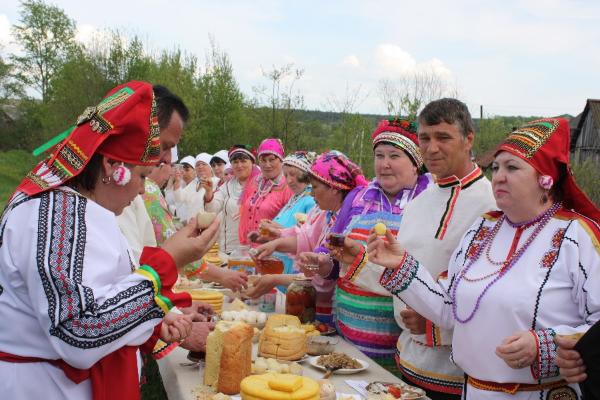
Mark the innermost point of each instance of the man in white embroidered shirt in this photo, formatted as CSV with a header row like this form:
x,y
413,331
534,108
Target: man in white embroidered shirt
x,y
431,228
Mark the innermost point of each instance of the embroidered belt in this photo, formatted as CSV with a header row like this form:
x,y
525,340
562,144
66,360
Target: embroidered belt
x,y
512,388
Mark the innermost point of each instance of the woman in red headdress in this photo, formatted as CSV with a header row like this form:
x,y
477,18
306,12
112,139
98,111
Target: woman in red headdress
x,y
520,276
76,307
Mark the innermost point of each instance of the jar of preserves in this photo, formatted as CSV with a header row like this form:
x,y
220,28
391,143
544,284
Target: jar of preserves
x,y
240,260
301,299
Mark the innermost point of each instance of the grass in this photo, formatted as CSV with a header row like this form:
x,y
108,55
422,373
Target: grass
x,y
14,165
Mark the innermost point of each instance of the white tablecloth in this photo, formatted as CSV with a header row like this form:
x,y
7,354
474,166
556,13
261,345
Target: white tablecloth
x,y
180,379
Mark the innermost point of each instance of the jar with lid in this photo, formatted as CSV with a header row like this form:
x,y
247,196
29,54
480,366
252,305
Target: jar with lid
x,y
301,299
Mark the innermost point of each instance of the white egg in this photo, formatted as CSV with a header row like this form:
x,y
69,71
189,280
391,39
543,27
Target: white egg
x,y
261,318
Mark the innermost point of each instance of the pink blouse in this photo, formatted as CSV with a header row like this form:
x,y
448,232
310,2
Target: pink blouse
x,y
255,206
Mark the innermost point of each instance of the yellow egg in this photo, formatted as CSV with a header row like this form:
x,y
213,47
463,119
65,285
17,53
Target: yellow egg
x,y
380,228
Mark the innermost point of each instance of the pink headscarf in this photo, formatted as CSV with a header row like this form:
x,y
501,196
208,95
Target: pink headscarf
x,y
337,171
271,146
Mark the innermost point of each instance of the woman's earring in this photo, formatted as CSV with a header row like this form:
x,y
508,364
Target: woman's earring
x,y
545,182
121,175
106,180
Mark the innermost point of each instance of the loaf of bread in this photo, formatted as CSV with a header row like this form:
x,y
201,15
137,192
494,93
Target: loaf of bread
x,y
228,356
283,338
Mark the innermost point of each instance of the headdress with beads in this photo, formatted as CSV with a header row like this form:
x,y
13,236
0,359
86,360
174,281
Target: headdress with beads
x,y
123,127
400,133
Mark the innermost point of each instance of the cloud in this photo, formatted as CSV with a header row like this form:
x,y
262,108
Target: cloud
x,y
394,61
351,61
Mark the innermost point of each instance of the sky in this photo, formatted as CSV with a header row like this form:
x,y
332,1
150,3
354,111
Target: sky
x,y
529,57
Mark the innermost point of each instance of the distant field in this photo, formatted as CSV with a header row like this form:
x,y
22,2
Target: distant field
x,y
14,164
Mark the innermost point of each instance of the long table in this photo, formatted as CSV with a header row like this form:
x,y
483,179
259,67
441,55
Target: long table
x,y
180,379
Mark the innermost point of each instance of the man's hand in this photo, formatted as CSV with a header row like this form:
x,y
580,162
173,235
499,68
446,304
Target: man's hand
x,y
196,341
191,243
569,360
175,327
413,321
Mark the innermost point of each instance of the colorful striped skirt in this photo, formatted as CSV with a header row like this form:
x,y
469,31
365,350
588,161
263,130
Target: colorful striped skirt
x,y
367,320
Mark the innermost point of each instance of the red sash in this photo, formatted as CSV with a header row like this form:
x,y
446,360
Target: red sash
x,y
114,377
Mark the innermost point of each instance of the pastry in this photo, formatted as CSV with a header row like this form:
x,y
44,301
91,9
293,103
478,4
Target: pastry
x,y
283,338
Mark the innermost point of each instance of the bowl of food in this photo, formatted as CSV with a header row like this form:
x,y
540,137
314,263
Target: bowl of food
x,y
319,345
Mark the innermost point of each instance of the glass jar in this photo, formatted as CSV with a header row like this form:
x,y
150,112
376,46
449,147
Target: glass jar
x,y
301,299
240,260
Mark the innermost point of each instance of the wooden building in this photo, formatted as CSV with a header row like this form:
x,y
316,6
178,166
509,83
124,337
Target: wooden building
x,y
585,133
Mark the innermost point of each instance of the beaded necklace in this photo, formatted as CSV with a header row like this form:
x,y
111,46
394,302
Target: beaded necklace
x,y
263,187
292,201
542,220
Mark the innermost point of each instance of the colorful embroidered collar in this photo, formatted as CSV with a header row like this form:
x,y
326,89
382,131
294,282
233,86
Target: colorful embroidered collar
x,y
464,183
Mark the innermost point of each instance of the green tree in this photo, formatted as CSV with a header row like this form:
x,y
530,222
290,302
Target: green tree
x,y
10,88
223,116
46,35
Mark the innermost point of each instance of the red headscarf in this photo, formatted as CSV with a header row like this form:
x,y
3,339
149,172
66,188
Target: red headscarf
x,y
544,144
123,127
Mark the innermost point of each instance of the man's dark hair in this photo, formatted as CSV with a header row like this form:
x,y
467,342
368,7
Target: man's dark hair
x,y
167,102
449,111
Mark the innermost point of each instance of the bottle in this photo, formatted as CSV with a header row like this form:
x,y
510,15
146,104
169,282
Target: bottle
x,y
301,299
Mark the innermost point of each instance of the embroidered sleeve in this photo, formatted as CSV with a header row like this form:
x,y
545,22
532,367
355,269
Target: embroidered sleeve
x,y
397,280
163,275
545,364
357,265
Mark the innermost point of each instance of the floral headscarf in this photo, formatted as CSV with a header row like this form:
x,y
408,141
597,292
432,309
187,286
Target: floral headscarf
x,y
337,171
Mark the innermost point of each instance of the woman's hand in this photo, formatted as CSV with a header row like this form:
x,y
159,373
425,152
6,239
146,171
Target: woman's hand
x,y
312,264
199,311
265,249
345,254
175,327
569,360
190,243
518,350
207,184
263,285
234,280
387,253
268,230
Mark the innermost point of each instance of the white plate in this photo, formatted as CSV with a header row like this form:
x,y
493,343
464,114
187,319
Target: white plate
x,y
343,371
304,358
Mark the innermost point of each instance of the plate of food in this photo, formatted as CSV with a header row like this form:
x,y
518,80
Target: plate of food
x,y
339,363
397,390
324,329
